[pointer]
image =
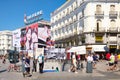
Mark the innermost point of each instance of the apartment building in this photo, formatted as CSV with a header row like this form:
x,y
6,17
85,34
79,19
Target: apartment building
x,y
5,41
94,23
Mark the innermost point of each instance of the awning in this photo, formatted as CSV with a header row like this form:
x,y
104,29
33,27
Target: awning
x,y
99,48
56,50
78,49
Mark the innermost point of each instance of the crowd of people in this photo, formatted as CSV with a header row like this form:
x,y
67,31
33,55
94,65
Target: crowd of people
x,y
93,58
112,60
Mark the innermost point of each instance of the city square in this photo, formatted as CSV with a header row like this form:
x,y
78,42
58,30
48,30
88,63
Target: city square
x,y
60,40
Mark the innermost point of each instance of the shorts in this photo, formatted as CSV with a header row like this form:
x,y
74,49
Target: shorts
x,y
74,63
116,62
27,69
111,64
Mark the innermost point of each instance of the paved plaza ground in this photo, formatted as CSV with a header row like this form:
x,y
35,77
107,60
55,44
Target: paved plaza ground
x,y
98,74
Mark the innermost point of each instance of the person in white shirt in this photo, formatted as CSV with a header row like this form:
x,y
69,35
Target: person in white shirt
x,y
73,68
90,58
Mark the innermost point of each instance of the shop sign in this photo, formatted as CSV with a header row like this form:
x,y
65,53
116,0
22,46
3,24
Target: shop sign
x,y
113,46
98,38
33,17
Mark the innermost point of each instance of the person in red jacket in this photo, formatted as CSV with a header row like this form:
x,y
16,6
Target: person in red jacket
x,y
108,56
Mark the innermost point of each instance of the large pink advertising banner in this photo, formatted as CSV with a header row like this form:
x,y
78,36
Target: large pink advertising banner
x,y
31,36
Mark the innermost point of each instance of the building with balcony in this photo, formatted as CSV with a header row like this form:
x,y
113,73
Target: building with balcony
x,y
5,41
87,22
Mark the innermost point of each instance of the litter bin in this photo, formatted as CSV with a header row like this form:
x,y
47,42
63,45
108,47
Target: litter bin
x,y
89,67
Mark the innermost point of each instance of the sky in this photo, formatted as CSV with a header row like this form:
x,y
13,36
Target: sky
x,y
12,11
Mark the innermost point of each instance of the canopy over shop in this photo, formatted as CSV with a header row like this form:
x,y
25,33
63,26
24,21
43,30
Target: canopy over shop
x,y
100,48
78,50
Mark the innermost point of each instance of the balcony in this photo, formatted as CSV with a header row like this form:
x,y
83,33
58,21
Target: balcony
x,y
113,29
101,29
113,14
99,14
112,42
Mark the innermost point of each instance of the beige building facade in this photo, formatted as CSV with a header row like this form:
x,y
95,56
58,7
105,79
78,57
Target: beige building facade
x,y
87,22
5,41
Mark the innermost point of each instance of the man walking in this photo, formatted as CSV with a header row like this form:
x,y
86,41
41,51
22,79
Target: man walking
x,y
41,63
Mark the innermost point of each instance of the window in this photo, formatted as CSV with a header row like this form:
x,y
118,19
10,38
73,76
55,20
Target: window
x,y
63,30
99,24
112,23
52,34
71,27
70,9
98,8
59,31
112,7
67,10
67,29
55,32
74,18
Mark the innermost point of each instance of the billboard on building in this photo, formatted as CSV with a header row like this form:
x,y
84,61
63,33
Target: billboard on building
x,y
43,33
16,38
55,53
23,39
31,36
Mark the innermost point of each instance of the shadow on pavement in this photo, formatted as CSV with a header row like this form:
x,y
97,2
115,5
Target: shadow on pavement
x,y
3,70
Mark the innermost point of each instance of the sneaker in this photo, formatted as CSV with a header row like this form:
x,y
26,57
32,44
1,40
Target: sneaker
x,y
76,72
69,70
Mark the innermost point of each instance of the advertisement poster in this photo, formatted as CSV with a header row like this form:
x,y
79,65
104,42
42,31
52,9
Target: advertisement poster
x,y
31,36
43,33
56,53
16,38
23,39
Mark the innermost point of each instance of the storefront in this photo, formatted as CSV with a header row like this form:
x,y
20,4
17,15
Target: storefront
x,y
112,48
78,50
100,48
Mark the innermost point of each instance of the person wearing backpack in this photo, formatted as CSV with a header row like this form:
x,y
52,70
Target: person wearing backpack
x,y
41,63
116,62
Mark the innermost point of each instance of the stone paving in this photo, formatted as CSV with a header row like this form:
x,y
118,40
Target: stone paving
x,y
98,74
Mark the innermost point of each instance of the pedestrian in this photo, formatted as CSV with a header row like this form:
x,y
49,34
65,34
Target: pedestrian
x,y
95,59
78,62
116,62
41,63
27,65
111,62
73,67
4,60
108,56
119,56
89,63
